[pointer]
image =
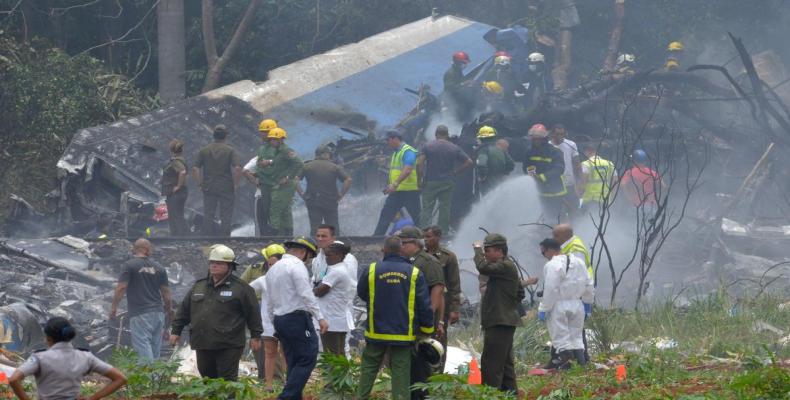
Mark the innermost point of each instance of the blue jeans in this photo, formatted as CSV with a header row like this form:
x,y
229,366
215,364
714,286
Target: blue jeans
x,y
300,344
147,334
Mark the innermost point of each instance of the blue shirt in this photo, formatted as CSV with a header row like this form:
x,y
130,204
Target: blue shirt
x,y
409,157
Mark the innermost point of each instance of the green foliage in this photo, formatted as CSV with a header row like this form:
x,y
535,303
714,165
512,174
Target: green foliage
x,y
455,387
558,394
340,375
769,382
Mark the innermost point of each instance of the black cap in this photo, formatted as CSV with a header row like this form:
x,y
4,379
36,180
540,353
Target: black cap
x,y
393,133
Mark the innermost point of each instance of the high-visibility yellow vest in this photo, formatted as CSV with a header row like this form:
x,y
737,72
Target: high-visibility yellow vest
x,y
576,245
598,179
396,165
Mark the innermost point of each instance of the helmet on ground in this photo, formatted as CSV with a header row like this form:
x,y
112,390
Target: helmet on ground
x,y
675,46
486,132
625,58
538,131
222,253
410,233
639,156
536,58
461,57
267,125
431,350
502,60
277,133
494,239
272,250
303,242
493,87
502,53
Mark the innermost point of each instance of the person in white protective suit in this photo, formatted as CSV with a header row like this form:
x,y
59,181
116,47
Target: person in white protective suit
x,y
566,289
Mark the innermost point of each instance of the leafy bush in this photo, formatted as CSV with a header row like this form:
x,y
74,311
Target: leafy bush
x,y
447,387
769,382
340,375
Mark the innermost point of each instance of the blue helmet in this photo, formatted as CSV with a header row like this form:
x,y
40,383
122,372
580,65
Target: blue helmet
x,y
639,156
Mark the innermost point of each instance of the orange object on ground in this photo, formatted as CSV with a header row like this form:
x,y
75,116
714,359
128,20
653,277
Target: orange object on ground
x,y
3,378
475,376
620,373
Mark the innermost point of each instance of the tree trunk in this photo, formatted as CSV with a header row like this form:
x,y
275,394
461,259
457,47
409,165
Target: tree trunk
x,y
563,64
216,64
171,45
614,36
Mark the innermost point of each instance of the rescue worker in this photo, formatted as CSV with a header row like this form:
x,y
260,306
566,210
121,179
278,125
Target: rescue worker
x,y
217,309
59,369
454,78
291,304
674,54
545,163
499,315
403,190
452,279
321,196
174,188
641,182
260,174
492,164
538,79
597,179
286,167
493,97
439,162
503,75
625,65
398,306
265,358
566,289
217,171
413,248
573,167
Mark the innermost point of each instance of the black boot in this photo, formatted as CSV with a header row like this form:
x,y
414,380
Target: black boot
x,y
580,357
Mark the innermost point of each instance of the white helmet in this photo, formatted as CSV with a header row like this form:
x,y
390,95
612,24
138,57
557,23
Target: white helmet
x,y
431,350
625,58
536,57
220,252
502,60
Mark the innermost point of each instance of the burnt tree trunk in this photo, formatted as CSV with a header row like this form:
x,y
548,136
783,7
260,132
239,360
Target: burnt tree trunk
x,y
614,36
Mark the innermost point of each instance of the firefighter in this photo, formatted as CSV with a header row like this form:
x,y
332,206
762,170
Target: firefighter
x,y
492,164
545,163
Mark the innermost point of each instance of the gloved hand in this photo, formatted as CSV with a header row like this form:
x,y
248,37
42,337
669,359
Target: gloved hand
x,y
587,310
542,316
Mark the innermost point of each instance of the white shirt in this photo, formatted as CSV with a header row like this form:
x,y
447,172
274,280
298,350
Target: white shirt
x,y
250,166
260,288
569,150
288,289
336,303
319,267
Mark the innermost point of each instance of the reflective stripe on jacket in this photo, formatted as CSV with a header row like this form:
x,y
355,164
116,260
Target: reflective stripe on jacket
x,y
598,180
396,166
576,245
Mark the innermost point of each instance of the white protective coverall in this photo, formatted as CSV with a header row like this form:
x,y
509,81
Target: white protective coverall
x,y
566,286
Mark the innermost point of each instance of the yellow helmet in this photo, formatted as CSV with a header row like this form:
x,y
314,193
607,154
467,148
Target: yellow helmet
x,y
672,64
272,250
675,46
267,125
486,132
493,87
277,133
220,252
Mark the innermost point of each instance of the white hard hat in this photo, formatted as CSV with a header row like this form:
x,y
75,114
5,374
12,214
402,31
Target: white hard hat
x,y
220,252
536,57
502,60
431,350
625,58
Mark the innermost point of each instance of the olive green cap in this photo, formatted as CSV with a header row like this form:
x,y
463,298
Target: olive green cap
x,y
495,239
410,233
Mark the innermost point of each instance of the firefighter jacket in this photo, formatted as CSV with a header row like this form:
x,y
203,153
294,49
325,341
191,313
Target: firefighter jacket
x,y
398,302
549,166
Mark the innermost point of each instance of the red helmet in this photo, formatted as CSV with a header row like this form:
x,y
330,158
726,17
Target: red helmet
x,y
461,57
160,212
502,53
538,131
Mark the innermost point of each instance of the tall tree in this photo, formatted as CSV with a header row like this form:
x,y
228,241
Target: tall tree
x,y
170,39
569,18
614,36
216,63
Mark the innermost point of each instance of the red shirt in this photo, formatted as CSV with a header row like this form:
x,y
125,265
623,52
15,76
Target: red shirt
x,y
639,185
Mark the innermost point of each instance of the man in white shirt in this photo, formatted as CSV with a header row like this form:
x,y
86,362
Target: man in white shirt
x,y
335,293
573,167
249,173
270,344
291,304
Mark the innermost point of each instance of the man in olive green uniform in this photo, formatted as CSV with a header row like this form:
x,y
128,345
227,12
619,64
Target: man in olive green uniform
x,y
217,171
321,196
285,168
492,164
174,187
413,249
264,180
452,279
499,312
217,309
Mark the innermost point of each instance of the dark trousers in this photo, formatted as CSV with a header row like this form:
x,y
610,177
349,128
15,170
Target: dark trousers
x,y
420,372
225,203
262,205
175,213
300,345
496,362
334,343
323,212
395,201
260,362
222,363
